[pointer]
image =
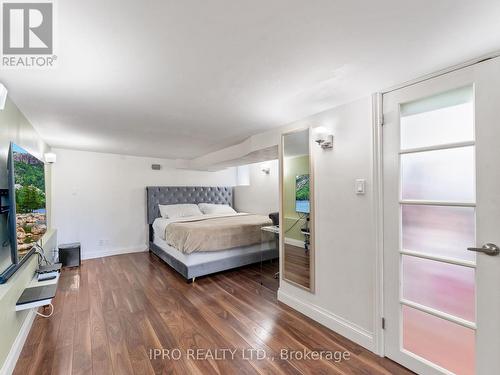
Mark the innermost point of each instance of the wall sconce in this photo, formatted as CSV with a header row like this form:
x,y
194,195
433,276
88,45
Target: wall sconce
x,y
265,169
50,158
323,138
3,96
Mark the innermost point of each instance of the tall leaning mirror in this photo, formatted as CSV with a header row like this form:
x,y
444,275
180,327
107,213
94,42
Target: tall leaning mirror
x,y
297,210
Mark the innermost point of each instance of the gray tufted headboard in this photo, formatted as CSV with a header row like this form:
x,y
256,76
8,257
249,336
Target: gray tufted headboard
x,y
185,194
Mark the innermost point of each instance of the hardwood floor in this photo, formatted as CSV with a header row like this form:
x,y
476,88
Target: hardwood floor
x,y
111,314
297,265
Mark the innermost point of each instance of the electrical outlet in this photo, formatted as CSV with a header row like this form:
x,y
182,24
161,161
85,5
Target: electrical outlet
x,y
104,242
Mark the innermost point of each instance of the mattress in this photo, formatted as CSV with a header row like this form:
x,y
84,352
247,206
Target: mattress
x,y
204,257
214,232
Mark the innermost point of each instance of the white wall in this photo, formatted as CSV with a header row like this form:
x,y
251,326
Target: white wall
x,y
345,260
100,199
261,196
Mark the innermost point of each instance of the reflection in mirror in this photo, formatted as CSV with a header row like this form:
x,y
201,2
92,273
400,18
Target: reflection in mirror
x,y
297,233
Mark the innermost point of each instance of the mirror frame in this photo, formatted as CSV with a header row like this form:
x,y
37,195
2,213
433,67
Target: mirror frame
x,y
312,214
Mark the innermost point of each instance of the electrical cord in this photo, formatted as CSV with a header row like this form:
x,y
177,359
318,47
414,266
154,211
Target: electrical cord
x,y
301,217
49,315
41,256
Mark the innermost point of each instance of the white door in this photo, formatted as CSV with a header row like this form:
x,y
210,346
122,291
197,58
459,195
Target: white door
x,y
441,161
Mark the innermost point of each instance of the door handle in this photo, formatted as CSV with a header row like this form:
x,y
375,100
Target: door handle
x,y
489,249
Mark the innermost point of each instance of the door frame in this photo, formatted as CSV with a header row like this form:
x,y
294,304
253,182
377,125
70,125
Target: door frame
x,y
378,190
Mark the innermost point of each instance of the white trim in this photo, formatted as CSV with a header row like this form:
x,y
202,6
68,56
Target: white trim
x,y
15,351
378,212
111,252
336,323
440,147
426,361
439,314
458,262
436,203
444,71
294,242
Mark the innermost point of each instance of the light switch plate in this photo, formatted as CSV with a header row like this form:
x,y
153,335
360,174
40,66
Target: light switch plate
x,y
360,186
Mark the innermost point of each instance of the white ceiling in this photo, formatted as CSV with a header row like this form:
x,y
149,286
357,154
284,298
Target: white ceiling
x,y
182,78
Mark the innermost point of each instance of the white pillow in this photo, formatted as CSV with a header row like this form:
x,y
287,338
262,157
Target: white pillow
x,y
172,211
211,208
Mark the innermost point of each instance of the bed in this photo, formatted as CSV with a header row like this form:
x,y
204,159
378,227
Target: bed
x,y
225,242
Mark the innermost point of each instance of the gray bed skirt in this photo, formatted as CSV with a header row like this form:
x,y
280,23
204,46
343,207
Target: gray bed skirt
x,y
189,272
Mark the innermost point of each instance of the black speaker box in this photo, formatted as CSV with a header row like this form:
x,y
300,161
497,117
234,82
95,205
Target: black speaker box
x,y
70,254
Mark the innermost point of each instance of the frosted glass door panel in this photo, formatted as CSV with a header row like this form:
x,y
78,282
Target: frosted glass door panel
x,y
442,175
444,343
439,230
442,126
438,120
442,286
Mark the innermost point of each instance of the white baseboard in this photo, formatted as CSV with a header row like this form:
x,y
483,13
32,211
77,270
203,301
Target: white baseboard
x,y
15,351
111,252
336,323
294,242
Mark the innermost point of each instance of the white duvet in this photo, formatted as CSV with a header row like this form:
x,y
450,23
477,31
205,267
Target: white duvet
x,y
211,232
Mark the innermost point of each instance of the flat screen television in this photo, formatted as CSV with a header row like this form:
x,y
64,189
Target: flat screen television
x,y
302,203
27,205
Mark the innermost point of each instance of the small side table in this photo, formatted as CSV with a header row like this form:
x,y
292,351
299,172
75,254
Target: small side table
x,y
70,254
